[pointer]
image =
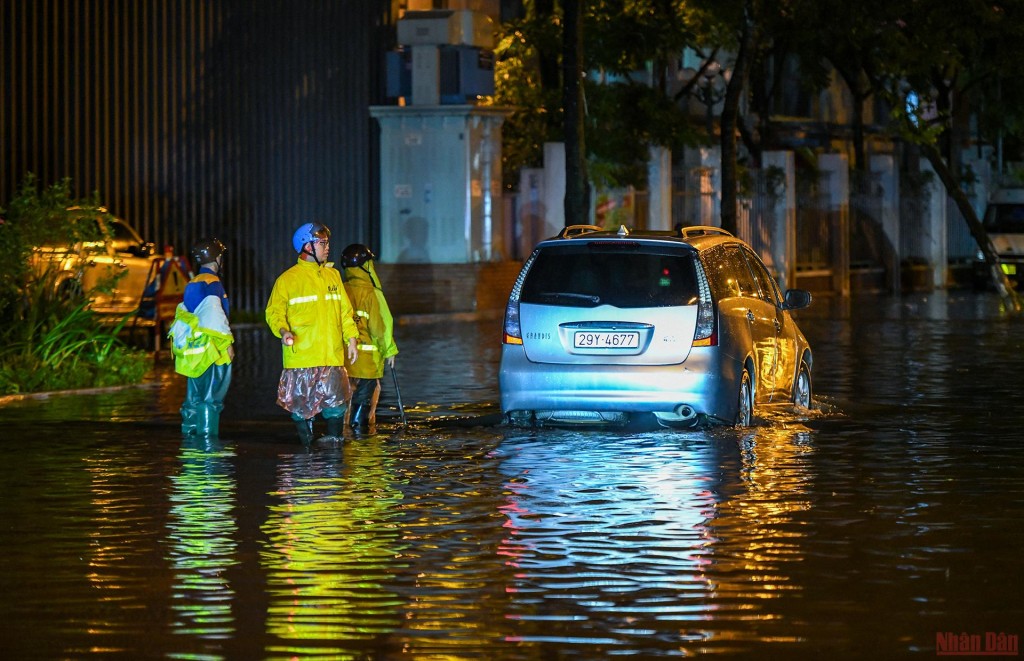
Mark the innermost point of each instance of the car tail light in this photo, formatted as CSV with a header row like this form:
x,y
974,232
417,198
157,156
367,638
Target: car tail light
x,y
704,334
512,332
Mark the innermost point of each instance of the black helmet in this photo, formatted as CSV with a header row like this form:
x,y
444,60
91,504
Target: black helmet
x,y
207,250
356,254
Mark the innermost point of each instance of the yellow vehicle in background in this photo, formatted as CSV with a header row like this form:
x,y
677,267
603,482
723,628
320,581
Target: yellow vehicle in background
x,y
105,259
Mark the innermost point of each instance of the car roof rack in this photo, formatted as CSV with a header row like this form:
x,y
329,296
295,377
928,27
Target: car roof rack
x,y
577,230
701,230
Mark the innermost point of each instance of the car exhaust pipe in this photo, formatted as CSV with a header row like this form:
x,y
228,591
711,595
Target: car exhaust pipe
x,y
686,412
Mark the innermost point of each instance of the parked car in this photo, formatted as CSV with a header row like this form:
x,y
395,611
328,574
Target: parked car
x,y
1004,224
106,259
688,326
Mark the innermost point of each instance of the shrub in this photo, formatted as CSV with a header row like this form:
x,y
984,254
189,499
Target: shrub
x,y
48,339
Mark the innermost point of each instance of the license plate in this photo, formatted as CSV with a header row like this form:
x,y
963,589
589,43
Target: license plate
x,y
606,340
1009,269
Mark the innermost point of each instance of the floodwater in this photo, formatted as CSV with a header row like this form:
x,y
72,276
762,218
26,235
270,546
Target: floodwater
x,y
885,524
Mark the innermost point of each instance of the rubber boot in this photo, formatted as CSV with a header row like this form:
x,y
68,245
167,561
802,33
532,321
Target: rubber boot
x,y
189,421
305,429
360,419
208,421
335,426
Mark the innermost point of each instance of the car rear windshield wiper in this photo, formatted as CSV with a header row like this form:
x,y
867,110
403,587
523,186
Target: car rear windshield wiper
x,y
586,298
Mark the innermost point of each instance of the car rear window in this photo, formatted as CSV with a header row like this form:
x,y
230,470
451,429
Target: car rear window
x,y
625,274
1005,218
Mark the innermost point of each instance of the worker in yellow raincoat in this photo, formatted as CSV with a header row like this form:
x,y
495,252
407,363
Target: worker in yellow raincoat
x,y
376,334
202,343
311,313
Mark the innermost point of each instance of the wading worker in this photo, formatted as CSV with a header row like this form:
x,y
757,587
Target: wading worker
x,y
202,343
311,313
376,334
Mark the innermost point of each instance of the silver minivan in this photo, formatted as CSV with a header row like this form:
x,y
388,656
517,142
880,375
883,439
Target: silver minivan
x,y
687,326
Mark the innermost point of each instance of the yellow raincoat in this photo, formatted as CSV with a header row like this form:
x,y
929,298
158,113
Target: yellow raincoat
x,y
309,299
200,339
373,317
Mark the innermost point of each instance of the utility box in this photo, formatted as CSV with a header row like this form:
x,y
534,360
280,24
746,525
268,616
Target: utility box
x,y
440,191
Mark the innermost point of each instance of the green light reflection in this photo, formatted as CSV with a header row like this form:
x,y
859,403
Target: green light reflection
x,y
201,532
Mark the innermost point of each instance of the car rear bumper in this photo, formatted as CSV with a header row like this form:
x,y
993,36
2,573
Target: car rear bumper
x,y
700,382
1011,265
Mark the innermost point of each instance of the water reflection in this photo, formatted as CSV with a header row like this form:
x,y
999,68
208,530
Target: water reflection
x,y
331,547
860,529
610,538
121,542
202,542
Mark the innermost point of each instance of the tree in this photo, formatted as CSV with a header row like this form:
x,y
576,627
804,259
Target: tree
x,y
948,49
629,106
523,83
577,187
730,113
739,29
619,118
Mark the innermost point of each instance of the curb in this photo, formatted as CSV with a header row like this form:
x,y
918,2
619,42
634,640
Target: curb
x,y
9,399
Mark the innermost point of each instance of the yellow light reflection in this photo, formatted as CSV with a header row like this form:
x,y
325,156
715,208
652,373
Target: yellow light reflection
x,y
331,547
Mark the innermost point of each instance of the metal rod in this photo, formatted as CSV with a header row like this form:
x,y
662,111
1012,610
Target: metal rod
x,y
398,393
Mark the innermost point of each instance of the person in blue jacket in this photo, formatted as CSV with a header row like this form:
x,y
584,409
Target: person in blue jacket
x,y
202,342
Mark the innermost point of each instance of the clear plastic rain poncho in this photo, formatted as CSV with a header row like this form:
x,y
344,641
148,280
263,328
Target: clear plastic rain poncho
x,y
306,391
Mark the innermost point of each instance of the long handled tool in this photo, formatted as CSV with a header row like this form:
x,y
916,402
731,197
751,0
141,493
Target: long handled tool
x,y
398,393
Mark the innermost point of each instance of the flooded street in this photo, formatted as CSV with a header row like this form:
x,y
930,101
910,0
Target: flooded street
x,y
883,524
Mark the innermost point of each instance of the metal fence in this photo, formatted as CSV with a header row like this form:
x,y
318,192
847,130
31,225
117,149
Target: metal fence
x,y
914,205
235,118
755,217
693,197
813,227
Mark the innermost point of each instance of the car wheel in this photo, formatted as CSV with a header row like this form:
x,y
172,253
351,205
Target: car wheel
x,y
745,412
519,418
802,387
69,290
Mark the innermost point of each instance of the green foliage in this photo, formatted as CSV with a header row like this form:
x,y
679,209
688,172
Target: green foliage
x,y
625,119
536,111
623,36
1014,175
49,338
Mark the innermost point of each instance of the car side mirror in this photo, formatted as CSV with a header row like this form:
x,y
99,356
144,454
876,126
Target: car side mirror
x,y
797,299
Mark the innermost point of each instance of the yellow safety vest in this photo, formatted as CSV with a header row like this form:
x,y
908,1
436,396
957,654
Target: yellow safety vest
x,y
196,346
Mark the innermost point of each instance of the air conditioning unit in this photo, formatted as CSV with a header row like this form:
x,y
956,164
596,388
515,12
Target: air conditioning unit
x,y
443,26
465,73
